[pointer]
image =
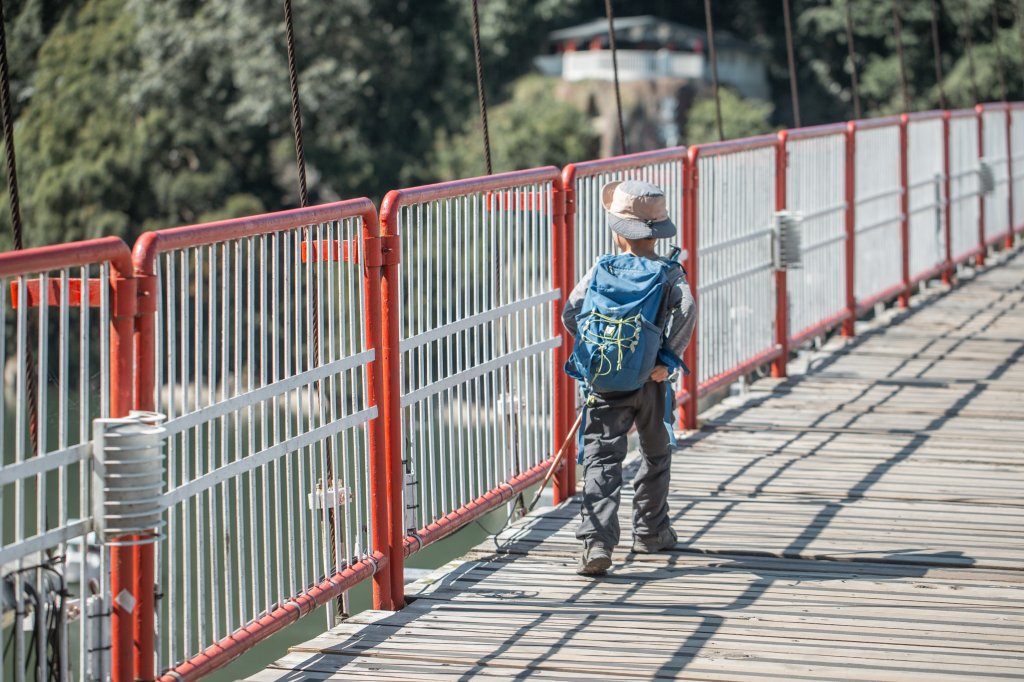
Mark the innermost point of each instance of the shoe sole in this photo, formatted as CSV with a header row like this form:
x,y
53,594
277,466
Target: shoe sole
x,y
596,566
651,550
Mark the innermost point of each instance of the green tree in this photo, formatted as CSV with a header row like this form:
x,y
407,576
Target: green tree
x,y
78,159
531,129
138,114
740,118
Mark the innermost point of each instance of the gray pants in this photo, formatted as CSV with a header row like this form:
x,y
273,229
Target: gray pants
x,y
604,448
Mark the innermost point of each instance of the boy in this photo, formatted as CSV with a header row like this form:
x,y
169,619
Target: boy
x,y
638,217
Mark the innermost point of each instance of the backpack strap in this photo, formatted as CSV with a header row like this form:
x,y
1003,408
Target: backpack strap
x,y
587,399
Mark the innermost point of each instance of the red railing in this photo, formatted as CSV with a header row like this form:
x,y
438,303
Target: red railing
x,y
255,282
99,271
730,251
449,386
471,311
812,181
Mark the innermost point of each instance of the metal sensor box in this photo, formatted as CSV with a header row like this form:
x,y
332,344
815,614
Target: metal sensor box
x,y
787,240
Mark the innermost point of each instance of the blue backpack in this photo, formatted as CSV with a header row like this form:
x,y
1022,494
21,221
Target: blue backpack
x,y
621,324
619,332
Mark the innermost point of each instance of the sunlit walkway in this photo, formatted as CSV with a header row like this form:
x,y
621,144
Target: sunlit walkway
x,y
861,521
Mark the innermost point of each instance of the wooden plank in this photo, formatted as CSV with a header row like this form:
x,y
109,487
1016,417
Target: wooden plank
x,y
860,521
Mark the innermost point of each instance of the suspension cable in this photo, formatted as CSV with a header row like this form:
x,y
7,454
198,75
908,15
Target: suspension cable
x,y
1000,64
793,92
16,227
481,94
965,32
853,61
1019,9
615,73
511,415
898,26
293,83
937,52
710,25
300,161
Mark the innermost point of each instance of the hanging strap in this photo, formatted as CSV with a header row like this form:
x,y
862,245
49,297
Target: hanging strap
x,y
670,413
588,398
584,416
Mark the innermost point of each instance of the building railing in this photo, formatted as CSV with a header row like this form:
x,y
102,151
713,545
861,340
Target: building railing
x,y
634,65
337,392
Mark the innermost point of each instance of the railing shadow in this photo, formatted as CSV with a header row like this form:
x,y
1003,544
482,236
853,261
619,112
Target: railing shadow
x,y
519,543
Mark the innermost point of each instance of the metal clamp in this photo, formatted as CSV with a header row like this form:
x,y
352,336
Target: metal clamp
x,y
128,478
787,229
411,501
986,177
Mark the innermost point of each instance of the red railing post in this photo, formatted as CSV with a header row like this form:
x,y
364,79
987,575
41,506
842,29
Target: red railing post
x,y
145,400
391,296
386,251
688,419
851,230
904,298
125,605
562,275
947,272
781,282
982,246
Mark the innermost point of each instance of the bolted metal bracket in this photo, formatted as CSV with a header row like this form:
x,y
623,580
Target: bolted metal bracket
x,y
787,240
411,498
336,496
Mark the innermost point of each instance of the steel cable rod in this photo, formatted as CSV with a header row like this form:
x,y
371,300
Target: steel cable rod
x,y
31,387
855,88
898,28
794,94
937,54
300,161
1019,9
480,91
615,74
710,26
1000,64
966,34
512,421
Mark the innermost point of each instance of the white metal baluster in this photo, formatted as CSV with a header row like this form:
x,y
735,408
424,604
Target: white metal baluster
x,y
278,503
242,445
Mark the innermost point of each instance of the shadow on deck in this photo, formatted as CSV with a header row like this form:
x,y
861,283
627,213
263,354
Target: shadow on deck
x,y
858,521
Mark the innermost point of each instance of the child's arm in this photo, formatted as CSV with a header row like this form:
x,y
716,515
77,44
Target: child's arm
x,y
682,317
574,302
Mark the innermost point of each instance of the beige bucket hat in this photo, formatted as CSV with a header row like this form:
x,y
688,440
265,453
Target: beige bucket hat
x,y
637,210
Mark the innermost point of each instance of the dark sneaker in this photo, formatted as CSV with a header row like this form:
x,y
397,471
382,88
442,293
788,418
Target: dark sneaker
x,y
595,560
650,544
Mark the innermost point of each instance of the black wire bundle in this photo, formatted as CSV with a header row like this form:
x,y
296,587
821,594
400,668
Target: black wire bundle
x,y
51,604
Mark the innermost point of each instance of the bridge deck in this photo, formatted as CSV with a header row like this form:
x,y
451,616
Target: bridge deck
x,y
861,521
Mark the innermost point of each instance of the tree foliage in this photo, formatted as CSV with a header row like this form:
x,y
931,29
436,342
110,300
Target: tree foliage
x,y
740,118
520,138
135,114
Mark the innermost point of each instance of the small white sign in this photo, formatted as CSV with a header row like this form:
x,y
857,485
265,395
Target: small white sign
x,y
125,600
